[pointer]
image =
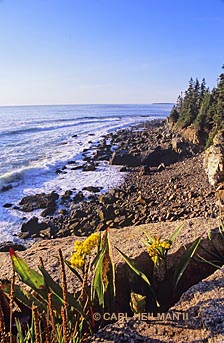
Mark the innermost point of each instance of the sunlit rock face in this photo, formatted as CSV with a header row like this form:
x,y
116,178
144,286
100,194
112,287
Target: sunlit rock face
x,y
214,160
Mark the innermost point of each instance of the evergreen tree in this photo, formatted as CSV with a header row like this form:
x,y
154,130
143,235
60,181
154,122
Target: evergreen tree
x,y
204,110
200,107
189,108
219,116
203,89
174,115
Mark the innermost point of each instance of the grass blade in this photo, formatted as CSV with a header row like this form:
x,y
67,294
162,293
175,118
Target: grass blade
x,y
185,260
131,264
176,233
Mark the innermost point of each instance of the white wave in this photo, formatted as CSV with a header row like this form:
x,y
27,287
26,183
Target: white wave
x,y
47,138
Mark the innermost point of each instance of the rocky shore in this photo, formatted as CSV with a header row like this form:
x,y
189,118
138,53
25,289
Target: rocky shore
x,y
165,185
164,180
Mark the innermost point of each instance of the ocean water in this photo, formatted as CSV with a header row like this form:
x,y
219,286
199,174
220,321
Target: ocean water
x,y
35,141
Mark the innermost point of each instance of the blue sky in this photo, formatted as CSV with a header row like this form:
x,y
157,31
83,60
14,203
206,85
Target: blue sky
x,y
107,51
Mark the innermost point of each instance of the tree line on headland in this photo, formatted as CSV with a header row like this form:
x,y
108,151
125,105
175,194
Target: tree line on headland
x,y
200,108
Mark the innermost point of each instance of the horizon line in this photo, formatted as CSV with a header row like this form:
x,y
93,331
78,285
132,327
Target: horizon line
x,y
90,104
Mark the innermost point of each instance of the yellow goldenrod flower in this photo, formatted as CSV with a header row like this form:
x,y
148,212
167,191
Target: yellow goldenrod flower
x,y
82,249
90,243
77,261
78,245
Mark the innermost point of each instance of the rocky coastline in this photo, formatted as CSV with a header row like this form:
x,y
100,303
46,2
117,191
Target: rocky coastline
x,y
164,180
165,186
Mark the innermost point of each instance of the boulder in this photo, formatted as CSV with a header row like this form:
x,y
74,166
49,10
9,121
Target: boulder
x,y
6,188
78,197
180,146
33,227
89,166
7,205
92,189
159,155
194,135
4,246
125,158
197,317
49,210
107,198
38,201
214,163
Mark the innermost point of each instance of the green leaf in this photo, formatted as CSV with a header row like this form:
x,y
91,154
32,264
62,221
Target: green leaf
x,y
24,297
57,290
185,260
149,238
209,235
27,275
20,337
212,253
209,262
97,284
108,273
74,271
104,274
176,233
131,264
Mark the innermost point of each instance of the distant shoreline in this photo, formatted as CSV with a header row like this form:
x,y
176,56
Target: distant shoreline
x,y
163,103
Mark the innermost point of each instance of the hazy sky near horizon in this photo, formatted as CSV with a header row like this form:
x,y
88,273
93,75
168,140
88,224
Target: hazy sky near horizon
x,y
107,51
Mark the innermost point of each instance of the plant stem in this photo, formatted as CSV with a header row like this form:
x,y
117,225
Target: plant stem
x,y
11,307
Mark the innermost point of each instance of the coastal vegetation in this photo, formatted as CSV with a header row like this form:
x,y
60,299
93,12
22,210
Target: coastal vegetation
x,y
47,312
200,108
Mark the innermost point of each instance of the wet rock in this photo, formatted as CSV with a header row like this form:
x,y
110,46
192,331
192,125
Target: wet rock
x,y
106,198
92,189
7,205
124,169
6,188
63,212
4,246
77,167
78,214
38,201
24,235
89,167
58,171
50,209
66,196
78,197
92,198
33,227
